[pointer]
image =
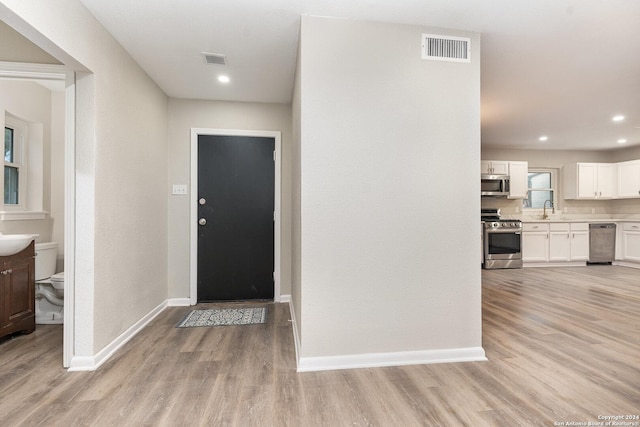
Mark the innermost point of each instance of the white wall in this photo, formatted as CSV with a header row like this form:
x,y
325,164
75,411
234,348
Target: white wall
x,y
15,48
32,102
56,181
296,200
388,249
121,176
186,114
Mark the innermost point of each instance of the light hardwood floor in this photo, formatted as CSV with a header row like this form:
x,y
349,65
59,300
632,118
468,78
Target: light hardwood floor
x,y
563,345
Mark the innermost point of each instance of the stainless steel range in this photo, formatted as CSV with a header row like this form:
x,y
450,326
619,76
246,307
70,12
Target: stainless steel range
x,y
502,240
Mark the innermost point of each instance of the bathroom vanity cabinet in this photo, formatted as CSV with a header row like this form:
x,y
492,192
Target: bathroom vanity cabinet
x,y
17,292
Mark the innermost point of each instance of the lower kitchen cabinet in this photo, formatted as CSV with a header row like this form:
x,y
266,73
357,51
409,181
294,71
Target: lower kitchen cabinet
x,y
559,242
555,242
631,241
535,242
579,241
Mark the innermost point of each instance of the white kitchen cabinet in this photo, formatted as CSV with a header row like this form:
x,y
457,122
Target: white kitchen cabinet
x,y
494,167
629,179
579,241
518,172
631,241
555,242
559,242
590,180
535,242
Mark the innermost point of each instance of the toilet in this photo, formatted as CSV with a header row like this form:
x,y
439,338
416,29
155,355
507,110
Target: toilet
x,y
49,286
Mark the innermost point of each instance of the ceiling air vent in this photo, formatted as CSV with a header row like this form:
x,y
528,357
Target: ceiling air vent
x,y
214,58
446,48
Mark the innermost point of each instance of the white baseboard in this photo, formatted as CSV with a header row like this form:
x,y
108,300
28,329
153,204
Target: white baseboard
x,y
178,302
376,360
629,264
91,363
283,298
554,264
294,325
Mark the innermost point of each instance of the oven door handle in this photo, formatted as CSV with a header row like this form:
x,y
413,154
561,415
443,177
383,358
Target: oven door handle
x,y
504,231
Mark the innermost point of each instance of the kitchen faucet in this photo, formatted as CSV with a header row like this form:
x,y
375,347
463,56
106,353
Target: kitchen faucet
x,y
544,209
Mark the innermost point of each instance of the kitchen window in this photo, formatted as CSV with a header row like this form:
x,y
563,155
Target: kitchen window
x,y
541,188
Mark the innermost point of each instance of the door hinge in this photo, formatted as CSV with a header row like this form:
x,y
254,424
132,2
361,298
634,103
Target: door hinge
x,y
274,155
274,216
274,276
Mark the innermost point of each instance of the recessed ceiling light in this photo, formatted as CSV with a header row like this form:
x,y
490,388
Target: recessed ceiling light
x,y
622,141
543,138
618,118
223,79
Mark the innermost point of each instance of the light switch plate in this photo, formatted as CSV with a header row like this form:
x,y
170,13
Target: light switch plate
x,y
179,189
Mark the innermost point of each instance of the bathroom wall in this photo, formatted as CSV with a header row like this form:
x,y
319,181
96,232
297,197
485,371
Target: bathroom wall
x,y
56,187
33,102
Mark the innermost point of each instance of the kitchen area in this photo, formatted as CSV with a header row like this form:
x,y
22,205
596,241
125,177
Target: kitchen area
x,y
560,208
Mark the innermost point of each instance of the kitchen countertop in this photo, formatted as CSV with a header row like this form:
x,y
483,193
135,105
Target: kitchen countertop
x,y
577,219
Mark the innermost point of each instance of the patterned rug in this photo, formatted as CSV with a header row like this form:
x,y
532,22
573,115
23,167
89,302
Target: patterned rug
x,y
224,317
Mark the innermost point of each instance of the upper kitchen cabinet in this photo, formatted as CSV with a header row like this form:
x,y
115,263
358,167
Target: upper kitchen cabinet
x,y
590,181
518,180
492,167
629,179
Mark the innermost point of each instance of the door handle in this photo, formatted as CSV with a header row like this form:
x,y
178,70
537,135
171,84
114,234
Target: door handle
x,y
202,201
202,221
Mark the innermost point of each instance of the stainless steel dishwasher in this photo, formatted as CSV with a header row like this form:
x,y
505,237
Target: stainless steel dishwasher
x,y
602,243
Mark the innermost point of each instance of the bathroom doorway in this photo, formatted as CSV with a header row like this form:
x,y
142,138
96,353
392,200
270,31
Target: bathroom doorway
x,y
51,217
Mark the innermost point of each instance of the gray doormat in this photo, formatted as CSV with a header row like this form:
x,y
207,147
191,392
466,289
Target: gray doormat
x,y
224,317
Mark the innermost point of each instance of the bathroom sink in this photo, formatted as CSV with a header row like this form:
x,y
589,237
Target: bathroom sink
x,y
11,244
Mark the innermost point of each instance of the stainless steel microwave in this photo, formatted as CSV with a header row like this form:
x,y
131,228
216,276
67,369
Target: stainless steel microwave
x,y
494,185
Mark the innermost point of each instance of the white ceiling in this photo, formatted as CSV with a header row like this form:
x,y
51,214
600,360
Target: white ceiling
x,y
561,68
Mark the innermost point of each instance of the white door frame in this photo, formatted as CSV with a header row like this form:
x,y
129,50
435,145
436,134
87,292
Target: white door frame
x,y
193,255
26,71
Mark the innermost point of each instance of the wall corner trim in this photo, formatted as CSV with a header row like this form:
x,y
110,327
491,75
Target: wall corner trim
x,y
178,302
283,298
91,363
296,339
375,360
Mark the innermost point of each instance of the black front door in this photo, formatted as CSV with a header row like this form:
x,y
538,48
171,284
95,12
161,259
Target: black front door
x,y
235,217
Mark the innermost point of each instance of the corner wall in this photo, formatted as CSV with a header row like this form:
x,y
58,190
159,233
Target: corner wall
x,y
389,160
